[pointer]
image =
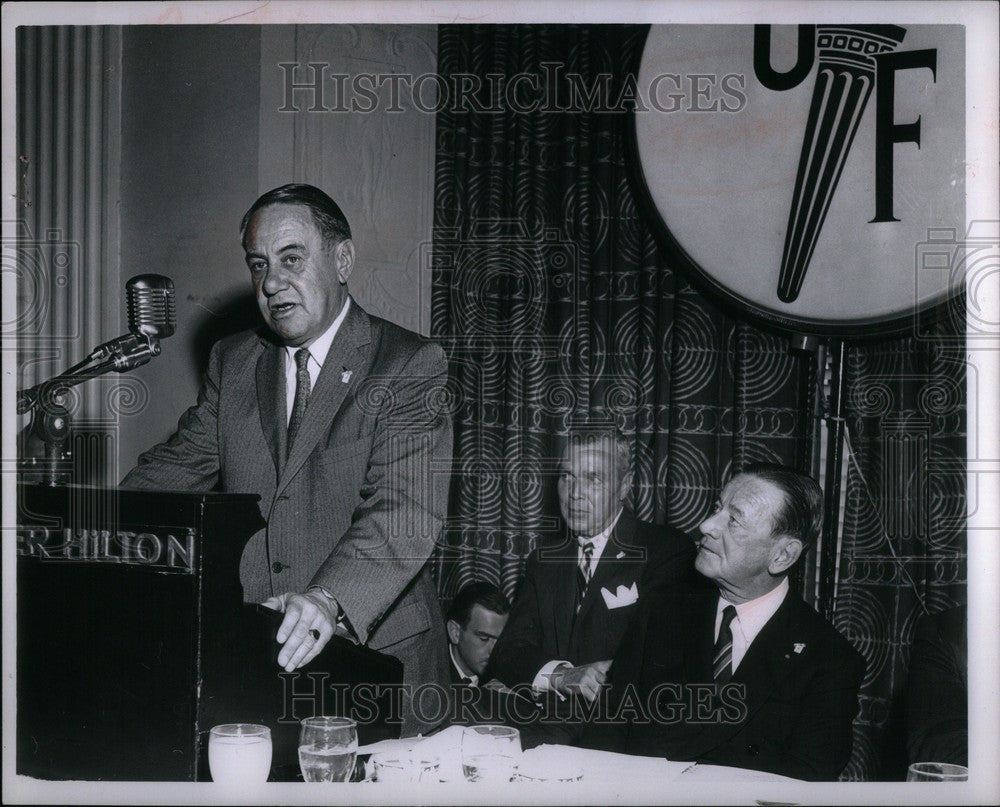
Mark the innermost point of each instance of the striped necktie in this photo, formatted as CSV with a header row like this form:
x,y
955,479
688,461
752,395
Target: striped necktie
x,y
302,389
584,573
722,664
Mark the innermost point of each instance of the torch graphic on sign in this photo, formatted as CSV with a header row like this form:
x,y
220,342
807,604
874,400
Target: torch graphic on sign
x,y
844,80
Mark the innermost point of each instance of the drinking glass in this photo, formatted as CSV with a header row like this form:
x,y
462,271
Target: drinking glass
x,y
239,753
328,747
490,753
405,768
937,772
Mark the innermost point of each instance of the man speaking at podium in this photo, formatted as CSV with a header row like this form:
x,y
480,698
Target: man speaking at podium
x,y
329,415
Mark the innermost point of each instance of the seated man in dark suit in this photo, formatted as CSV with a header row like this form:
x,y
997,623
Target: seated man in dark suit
x,y
748,675
937,692
578,597
474,622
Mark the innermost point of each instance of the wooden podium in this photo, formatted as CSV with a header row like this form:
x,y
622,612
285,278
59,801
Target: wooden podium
x,y
133,640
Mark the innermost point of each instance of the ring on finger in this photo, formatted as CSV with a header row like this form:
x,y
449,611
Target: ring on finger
x,y
315,634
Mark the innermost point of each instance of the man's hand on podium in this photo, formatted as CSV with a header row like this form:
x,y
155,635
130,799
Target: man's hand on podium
x,y
310,621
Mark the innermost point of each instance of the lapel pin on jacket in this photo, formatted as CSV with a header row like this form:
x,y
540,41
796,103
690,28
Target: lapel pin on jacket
x,y
345,377
619,556
798,647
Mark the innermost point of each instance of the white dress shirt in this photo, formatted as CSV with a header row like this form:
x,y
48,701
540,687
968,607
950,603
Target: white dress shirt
x,y
318,351
750,619
473,678
599,541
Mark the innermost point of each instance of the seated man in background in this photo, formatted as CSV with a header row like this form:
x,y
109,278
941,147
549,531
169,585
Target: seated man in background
x,y
474,622
746,675
937,691
577,598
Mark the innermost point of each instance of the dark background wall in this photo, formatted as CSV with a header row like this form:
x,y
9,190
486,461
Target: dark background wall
x,y
190,112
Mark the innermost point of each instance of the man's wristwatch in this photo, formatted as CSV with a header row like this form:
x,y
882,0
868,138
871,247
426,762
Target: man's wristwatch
x,y
330,598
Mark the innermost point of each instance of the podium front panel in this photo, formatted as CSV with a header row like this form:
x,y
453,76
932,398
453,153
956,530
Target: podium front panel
x,y
134,640
111,586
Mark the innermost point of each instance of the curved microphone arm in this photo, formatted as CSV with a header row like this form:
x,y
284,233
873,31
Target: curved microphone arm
x,y
151,317
119,355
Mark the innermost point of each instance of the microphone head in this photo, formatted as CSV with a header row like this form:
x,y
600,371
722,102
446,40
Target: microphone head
x,y
151,305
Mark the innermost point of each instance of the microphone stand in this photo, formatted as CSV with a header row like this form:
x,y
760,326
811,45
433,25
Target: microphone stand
x,y
51,419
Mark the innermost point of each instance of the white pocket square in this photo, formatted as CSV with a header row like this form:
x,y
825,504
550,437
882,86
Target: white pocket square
x,y
624,596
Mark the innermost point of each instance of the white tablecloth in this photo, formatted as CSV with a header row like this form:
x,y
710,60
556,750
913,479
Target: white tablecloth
x,y
561,761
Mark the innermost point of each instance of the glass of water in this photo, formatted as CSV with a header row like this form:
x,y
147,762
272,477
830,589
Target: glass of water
x,y
239,753
405,768
937,772
490,753
328,747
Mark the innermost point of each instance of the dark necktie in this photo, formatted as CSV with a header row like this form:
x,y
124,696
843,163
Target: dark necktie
x,y
722,664
302,388
584,573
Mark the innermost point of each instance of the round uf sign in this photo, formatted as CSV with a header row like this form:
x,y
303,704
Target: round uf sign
x,y
813,173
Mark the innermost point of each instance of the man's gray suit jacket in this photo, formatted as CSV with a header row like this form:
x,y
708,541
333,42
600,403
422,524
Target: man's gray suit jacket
x,y
359,502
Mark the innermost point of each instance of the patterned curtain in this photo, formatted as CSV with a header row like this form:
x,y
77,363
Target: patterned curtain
x,y
904,540
554,301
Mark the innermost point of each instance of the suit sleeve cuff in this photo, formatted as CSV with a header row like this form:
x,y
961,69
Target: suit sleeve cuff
x,y
544,676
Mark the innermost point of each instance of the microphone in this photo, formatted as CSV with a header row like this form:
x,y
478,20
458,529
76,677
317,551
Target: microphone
x,y
151,317
151,306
